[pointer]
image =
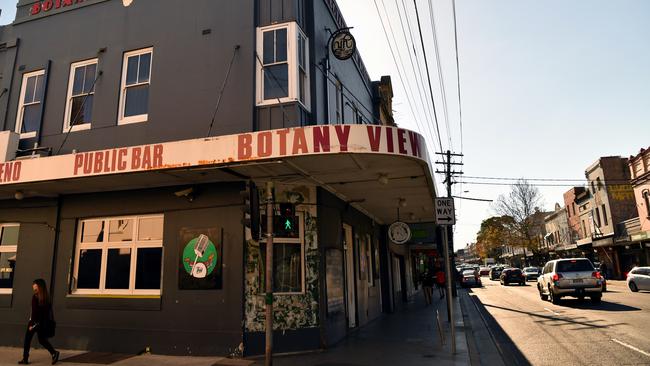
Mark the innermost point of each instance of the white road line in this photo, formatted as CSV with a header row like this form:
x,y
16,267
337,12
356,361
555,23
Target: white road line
x,y
549,310
631,347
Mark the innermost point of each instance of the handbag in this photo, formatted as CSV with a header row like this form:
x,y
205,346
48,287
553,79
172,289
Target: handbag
x,y
49,325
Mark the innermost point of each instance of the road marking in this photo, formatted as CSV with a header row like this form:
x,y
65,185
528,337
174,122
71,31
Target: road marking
x,y
549,310
631,347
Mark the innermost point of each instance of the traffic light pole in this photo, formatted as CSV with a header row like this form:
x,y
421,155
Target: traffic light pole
x,y
269,274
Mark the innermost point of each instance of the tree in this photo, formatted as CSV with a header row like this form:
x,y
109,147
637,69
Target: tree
x,y
522,205
495,233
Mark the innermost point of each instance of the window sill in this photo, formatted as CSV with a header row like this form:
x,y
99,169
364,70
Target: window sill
x,y
81,127
133,119
27,135
114,302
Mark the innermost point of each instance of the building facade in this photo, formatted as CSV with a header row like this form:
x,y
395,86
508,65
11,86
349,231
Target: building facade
x,y
135,156
640,174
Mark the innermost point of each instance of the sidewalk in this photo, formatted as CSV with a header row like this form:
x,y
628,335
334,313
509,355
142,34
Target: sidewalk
x,y
409,337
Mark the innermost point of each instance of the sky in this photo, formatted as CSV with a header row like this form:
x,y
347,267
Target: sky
x,y
546,87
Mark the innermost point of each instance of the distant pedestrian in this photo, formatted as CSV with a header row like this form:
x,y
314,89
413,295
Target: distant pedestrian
x,y
440,282
427,286
41,322
603,269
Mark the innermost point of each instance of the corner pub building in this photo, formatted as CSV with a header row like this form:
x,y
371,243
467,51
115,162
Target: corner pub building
x,y
135,138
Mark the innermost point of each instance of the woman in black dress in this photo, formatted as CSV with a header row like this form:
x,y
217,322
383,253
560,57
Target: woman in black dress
x,y
39,322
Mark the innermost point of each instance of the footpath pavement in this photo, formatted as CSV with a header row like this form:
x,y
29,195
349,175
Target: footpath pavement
x,y
409,337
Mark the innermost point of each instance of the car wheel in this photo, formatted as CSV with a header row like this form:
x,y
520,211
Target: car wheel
x,y
541,294
595,299
633,287
581,298
554,298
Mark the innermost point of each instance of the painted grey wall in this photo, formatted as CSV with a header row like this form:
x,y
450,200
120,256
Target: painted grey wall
x,y
181,322
188,68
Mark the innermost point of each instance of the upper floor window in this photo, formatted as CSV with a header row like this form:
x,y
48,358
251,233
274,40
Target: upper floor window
x,y
28,119
646,199
134,92
282,65
81,92
8,250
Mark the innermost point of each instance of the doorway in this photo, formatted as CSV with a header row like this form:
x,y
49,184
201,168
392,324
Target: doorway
x,y
348,246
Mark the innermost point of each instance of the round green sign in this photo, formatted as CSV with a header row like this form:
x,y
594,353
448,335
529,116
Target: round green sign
x,y
200,257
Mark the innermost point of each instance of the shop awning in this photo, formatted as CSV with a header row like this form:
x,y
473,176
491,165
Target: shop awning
x,y
370,167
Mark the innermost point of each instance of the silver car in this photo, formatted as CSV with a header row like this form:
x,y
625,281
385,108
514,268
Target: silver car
x,y
574,277
639,279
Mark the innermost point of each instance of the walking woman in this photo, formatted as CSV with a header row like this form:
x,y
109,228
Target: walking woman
x,y
41,322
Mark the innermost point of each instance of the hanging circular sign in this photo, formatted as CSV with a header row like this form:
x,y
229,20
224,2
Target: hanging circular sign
x,y
200,257
399,232
343,45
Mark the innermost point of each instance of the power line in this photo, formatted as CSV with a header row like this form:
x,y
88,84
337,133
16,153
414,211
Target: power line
x,y
535,184
399,73
426,63
460,105
441,79
543,179
418,81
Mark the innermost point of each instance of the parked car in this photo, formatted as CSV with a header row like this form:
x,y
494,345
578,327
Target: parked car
x,y
470,278
639,279
574,277
484,271
512,275
495,272
531,273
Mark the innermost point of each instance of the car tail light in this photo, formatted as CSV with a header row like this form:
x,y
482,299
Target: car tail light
x,y
556,277
596,275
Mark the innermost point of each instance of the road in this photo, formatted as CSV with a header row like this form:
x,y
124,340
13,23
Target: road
x,y
615,332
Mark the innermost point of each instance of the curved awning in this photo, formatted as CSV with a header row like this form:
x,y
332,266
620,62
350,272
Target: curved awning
x,y
371,167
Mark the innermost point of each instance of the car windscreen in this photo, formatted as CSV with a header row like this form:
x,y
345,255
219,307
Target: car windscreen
x,y
515,271
574,266
468,273
530,269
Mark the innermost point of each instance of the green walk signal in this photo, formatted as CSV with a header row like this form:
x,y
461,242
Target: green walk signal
x,y
287,224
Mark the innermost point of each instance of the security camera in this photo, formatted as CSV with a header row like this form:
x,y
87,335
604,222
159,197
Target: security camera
x,y
185,192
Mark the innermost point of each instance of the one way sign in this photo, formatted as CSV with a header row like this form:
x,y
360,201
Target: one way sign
x,y
445,211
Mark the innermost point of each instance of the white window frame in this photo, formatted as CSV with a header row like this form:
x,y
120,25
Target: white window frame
x,y
8,249
300,240
21,103
68,104
294,32
122,120
105,245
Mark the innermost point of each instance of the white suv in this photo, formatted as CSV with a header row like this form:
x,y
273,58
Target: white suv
x,y
639,279
574,277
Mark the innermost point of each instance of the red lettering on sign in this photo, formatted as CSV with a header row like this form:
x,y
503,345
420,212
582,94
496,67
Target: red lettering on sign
x,y
57,4
136,153
47,5
36,8
389,140
78,163
17,166
121,161
299,142
343,134
415,144
107,161
113,160
2,169
88,163
146,158
67,2
264,144
99,162
244,149
283,141
157,156
374,136
401,140
321,139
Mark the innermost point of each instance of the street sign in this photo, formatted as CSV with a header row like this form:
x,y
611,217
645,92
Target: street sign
x,y
445,213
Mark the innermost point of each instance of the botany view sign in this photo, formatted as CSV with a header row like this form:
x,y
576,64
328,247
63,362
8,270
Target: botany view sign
x,y
222,150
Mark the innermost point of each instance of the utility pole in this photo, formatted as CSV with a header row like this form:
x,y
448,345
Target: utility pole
x,y
449,174
270,216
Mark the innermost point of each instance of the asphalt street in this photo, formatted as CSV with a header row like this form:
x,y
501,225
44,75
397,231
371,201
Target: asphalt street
x,y
531,331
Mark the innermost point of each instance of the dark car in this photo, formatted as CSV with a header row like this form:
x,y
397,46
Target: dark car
x,y
512,275
495,272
